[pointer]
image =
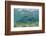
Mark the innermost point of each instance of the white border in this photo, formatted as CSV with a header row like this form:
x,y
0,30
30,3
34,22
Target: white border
x,y
25,28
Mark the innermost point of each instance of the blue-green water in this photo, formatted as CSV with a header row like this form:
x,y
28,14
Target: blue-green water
x,y
25,17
